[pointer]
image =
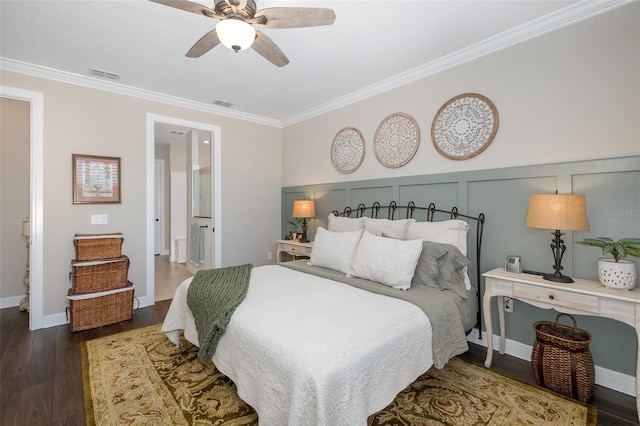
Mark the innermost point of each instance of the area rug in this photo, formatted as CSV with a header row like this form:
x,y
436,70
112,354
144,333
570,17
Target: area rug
x,y
139,377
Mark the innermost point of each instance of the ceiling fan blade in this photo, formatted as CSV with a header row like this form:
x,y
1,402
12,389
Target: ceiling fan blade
x,y
268,49
295,17
205,44
189,6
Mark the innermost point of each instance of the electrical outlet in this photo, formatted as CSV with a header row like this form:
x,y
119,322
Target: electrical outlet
x,y
269,255
508,304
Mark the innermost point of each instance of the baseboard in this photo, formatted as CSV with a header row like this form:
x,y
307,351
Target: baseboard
x,y
10,302
617,381
55,320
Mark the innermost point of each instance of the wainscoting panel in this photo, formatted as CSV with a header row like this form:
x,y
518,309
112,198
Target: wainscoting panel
x,y
443,194
612,190
369,195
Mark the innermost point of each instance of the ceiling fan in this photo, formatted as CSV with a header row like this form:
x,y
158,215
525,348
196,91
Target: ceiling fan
x,y
235,28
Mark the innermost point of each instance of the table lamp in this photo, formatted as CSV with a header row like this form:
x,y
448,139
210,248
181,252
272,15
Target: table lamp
x,y
557,212
304,209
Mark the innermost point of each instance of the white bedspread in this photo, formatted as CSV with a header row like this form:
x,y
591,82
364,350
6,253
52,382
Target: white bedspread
x,y
305,350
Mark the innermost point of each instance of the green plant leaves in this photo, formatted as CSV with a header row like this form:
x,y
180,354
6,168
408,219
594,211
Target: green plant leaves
x,y
618,249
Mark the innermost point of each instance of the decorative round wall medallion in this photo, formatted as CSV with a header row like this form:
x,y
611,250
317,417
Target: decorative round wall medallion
x,y
396,141
347,150
464,126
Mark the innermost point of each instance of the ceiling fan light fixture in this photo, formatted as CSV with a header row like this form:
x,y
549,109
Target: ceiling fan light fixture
x,y
235,34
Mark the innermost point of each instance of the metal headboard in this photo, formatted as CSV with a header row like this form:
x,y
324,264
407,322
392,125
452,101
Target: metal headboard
x,y
430,211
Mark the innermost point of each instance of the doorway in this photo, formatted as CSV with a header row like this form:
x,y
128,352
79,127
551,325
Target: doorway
x,y
36,196
152,135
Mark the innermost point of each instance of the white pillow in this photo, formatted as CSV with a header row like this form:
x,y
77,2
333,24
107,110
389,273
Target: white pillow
x,y
344,224
386,260
334,250
389,228
453,231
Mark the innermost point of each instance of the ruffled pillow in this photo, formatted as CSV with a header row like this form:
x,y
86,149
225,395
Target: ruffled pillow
x,y
452,232
442,266
427,268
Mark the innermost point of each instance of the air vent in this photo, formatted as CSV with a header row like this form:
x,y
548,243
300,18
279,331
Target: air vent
x,y
104,74
222,103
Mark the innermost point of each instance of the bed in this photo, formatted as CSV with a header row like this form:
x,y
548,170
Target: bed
x,y
333,339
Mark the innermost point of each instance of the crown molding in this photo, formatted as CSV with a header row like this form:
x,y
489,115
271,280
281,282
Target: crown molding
x,y
565,17
93,83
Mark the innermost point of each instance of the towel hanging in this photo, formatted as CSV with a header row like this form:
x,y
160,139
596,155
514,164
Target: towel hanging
x,y
197,244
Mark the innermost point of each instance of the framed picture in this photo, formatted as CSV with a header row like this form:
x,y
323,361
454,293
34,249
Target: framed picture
x,y
95,179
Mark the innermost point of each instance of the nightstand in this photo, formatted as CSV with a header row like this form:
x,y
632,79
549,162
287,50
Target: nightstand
x,y
293,248
582,297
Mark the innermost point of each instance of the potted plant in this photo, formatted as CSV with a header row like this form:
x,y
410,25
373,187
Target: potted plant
x,y
294,229
617,272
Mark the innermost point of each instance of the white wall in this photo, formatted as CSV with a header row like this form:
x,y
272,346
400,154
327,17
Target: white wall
x,y
82,120
14,196
572,94
178,167
163,154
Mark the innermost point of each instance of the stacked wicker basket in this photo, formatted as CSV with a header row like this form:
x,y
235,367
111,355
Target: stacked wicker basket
x,y
100,292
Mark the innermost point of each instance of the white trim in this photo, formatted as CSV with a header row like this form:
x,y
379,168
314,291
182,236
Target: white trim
x,y
36,176
570,15
152,119
86,81
611,379
10,302
567,16
55,320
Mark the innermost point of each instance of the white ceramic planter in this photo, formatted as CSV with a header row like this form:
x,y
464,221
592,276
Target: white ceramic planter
x,y
619,275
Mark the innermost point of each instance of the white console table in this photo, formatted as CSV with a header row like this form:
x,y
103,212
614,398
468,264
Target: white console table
x,y
582,297
293,248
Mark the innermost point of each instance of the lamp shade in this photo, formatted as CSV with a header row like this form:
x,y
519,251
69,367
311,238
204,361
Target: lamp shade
x,y
557,211
304,208
235,34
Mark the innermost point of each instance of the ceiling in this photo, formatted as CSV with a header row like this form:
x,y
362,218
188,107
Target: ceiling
x,y
372,47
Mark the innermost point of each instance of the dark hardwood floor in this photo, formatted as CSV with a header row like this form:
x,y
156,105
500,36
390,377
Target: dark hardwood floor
x,y
41,383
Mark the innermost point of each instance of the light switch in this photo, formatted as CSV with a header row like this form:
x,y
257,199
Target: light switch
x,y
99,219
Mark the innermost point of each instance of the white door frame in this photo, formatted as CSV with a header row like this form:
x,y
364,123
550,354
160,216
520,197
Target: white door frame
x,y
36,176
216,151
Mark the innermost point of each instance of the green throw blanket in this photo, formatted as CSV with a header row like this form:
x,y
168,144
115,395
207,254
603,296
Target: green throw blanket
x,y
213,296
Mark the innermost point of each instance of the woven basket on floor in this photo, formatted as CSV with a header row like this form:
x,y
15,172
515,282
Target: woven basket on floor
x,y
97,309
561,360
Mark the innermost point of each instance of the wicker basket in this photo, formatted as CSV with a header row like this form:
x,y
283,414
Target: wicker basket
x,y
98,309
98,246
561,360
99,275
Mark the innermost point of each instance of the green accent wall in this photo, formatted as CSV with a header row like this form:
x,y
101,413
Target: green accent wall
x,y
612,190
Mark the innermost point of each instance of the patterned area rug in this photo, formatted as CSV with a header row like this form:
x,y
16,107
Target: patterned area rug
x,y
140,378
